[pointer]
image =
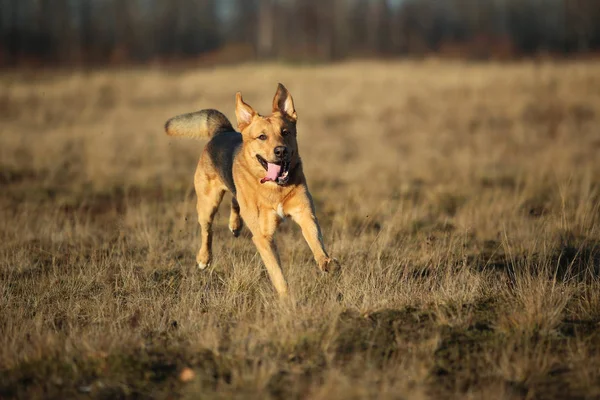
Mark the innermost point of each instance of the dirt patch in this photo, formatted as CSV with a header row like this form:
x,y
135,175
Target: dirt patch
x,y
577,257
460,361
286,384
11,176
139,373
375,337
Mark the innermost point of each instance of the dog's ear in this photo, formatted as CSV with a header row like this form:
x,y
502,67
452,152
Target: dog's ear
x,y
243,112
284,103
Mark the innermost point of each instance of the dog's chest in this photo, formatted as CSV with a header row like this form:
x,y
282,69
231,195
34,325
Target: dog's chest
x,y
279,211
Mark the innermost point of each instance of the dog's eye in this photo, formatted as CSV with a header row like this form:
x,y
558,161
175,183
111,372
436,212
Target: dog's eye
x,y
262,137
285,132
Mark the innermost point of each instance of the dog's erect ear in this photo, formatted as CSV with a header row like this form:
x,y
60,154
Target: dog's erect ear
x,y
243,112
284,103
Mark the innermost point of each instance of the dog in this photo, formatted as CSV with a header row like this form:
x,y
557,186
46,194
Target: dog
x,y
260,165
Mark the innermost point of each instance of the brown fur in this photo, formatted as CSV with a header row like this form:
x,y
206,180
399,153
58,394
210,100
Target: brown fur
x,y
261,206
200,124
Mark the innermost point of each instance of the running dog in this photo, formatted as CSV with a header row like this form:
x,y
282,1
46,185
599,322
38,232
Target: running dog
x,y
261,167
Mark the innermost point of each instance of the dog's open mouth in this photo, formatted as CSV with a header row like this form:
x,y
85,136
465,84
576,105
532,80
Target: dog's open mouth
x,y
276,172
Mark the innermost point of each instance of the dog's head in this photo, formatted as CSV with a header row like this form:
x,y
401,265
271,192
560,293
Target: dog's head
x,y
270,144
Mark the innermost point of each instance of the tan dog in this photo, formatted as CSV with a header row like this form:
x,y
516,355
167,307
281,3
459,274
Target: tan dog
x,y
262,169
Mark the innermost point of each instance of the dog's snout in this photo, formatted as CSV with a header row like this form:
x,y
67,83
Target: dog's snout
x,y
280,152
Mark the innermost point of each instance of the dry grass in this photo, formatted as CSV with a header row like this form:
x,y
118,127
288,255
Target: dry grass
x,y
463,202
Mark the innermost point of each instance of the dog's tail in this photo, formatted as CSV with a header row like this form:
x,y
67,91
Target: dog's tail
x,y
199,124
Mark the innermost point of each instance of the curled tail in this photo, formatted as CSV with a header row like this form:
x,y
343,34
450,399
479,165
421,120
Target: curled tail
x,y
199,124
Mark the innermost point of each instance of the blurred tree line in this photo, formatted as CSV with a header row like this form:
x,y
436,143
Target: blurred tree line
x,y
115,31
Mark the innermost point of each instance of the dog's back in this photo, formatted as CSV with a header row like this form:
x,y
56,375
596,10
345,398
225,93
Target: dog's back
x,y
224,142
222,150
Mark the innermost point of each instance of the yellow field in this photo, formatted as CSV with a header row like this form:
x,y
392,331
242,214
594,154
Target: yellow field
x,y
462,200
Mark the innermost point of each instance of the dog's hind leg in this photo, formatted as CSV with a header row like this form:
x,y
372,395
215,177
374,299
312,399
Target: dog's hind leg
x,y
210,193
235,220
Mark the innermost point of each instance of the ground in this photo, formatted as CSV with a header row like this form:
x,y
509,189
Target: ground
x,y
462,201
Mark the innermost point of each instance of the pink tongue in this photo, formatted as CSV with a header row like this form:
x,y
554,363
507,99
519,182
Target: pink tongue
x,y
272,172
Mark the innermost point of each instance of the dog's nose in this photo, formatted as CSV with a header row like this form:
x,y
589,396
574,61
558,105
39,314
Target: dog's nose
x,y
280,152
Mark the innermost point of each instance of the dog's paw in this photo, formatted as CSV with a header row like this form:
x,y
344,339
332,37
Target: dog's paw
x,y
329,264
202,266
235,226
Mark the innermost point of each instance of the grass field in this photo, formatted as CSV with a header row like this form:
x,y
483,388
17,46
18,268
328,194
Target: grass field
x,y
462,201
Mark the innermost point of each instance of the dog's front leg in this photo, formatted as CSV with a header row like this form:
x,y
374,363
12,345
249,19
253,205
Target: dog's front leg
x,y
263,226
302,211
